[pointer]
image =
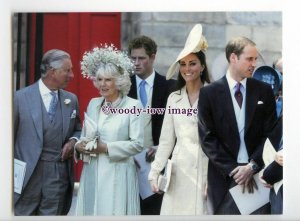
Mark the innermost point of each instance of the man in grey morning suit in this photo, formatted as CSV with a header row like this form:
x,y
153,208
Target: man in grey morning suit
x,y
46,127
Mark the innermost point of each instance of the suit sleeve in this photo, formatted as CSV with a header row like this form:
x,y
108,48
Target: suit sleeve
x,y
273,173
210,143
269,121
271,117
77,127
16,116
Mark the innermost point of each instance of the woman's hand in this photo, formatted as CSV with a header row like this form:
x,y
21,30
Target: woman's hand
x,y
101,148
80,146
205,191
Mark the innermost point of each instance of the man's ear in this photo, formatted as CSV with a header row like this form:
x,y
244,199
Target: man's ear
x,y
233,57
152,57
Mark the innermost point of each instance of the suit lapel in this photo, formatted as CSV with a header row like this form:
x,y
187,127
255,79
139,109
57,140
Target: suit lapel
x,y
133,91
227,104
252,95
65,110
35,101
158,89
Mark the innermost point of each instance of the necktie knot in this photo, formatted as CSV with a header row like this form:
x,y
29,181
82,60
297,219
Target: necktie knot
x,y
238,94
143,94
53,93
142,84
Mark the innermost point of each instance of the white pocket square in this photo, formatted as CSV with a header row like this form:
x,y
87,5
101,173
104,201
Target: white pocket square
x,y
260,102
73,115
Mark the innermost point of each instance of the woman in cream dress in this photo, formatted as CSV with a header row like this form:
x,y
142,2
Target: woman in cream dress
x,y
109,184
179,135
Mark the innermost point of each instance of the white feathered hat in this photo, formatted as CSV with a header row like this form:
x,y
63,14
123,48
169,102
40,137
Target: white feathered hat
x,y
194,43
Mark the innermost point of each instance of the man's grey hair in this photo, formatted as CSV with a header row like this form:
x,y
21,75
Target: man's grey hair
x,y
53,59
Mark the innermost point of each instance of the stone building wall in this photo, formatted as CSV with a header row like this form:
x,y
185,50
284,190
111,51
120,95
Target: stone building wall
x,y
170,30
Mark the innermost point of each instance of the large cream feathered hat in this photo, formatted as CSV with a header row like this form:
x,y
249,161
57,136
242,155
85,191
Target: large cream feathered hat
x,y
194,43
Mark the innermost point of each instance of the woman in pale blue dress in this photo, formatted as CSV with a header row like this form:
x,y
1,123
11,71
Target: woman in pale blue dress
x,y
108,184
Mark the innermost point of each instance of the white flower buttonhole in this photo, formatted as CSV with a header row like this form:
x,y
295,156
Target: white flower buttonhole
x,y
67,101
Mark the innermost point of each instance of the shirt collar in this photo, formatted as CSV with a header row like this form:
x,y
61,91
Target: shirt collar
x,y
44,90
232,83
149,79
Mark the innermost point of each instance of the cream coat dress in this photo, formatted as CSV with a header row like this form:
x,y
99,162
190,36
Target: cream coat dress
x,y
185,195
109,183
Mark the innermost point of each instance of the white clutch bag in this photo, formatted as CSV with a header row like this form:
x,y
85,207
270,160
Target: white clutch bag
x,y
164,180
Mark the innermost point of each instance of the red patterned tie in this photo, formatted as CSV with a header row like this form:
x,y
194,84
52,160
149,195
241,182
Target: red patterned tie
x,y
238,94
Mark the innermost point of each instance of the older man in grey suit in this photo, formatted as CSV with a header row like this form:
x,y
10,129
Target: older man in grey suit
x,y
46,126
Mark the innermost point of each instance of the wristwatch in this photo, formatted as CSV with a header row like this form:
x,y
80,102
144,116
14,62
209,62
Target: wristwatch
x,y
253,166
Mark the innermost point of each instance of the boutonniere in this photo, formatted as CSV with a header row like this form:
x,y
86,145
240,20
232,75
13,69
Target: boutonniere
x,y
67,101
260,102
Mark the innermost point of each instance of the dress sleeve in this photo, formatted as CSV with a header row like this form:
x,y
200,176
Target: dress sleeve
x,y
166,143
118,150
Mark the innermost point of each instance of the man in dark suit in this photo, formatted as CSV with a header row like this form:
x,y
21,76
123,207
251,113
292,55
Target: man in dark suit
x,y
273,173
236,113
46,126
152,90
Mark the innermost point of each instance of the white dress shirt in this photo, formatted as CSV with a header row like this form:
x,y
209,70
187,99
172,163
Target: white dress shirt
x,y
45,94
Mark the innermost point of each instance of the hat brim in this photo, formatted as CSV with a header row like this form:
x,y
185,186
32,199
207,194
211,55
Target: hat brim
x,y
268,75
191,46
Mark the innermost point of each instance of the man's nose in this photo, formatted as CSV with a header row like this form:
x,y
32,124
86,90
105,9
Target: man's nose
x,y
71,74
135,61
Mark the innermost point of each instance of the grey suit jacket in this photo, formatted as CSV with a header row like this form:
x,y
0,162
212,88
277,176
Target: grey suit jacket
x,y
28,128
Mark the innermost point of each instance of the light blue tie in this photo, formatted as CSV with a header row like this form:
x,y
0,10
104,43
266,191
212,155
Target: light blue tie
x,y
143,94
53,104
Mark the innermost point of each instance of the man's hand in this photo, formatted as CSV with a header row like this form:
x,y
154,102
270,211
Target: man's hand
x,y
250,184
80,147
241,173
67,151
150,154
279,158
154,186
